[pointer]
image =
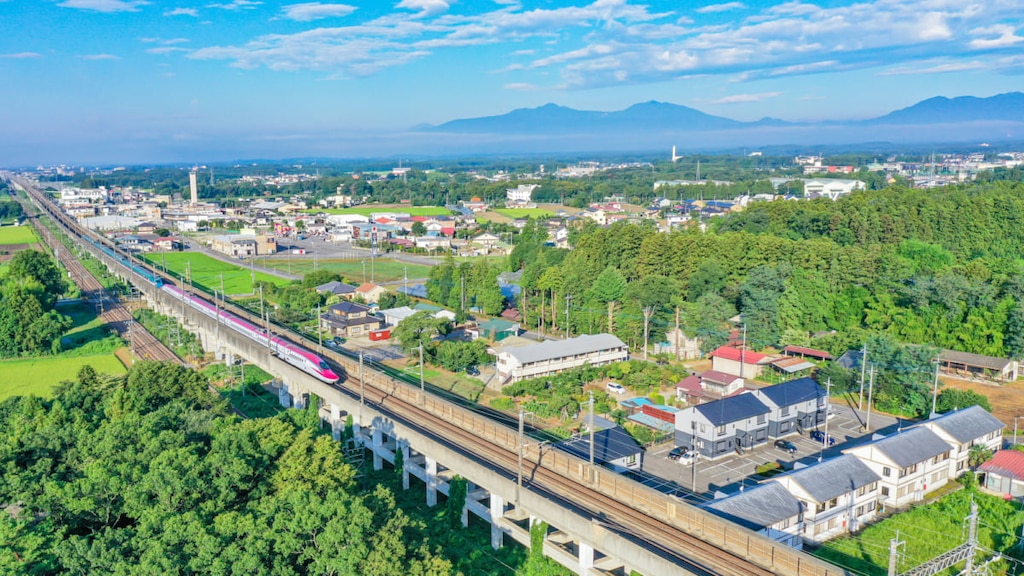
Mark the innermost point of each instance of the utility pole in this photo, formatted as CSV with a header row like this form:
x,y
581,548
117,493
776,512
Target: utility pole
x,y
423,391
361,396
677,333
647,319
519,466
871,390
863,367
405,270
592,432
972,538
611,316
568,297
252,270
319,332
935,387
743,349
894,546
828,398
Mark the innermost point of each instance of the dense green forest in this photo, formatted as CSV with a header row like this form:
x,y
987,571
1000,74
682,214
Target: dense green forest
x,y
29,324
151,474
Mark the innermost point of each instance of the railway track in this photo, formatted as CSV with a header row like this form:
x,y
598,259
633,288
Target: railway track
x,y
697,540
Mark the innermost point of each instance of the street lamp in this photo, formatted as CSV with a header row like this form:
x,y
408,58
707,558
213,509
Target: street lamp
x,y
423,391
519,468
364,271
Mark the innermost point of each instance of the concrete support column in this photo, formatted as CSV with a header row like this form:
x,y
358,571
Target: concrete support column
x,y
283,396
586,558
229,358
465,506
336,424
497,511
378,445
431,469
357,432
404,447
299,399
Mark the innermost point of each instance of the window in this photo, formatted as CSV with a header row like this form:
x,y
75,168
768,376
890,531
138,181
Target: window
x,y
833,502
761,419
819,508
785,410
886,471
720,431
885,491
859,511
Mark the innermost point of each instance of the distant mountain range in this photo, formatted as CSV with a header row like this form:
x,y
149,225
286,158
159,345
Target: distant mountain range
x,y
651,119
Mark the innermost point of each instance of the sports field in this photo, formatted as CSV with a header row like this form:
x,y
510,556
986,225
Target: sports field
x,y
378,208
39,375
525,212
352,270
17,235
206,272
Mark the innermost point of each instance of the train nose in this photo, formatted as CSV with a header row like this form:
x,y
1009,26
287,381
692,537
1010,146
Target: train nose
x,y
330,375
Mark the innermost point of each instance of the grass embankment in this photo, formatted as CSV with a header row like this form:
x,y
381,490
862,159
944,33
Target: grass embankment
x,y
929,531
380,209
352,270
88,341
206,272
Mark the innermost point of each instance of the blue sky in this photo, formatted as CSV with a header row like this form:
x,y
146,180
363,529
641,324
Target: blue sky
x,y
133,81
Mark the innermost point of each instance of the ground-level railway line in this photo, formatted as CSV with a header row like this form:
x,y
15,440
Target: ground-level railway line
x,y
702,542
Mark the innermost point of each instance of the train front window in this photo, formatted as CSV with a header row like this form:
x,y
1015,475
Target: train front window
x,y
324,366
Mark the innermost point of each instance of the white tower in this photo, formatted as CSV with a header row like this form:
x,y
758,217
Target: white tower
x,y
193,186
674,157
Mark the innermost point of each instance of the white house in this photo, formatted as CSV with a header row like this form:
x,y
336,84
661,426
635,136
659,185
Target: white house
x,y
909,464
515,364
838,496
965,428
520,194
831,188
768,509
796,405
738,362
715,429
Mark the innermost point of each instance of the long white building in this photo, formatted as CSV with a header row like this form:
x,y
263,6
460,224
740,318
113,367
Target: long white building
x,y
515,364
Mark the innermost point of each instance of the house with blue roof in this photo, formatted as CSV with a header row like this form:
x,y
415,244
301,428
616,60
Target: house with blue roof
x,y
796,405
613,448
718,428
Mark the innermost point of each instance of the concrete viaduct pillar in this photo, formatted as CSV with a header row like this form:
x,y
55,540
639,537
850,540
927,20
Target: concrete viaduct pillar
x,y
378,444
586,558
431,470
403,445
497,512
337,426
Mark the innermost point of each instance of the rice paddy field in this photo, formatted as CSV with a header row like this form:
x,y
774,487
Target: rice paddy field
x,y
352,270
206,272
17,235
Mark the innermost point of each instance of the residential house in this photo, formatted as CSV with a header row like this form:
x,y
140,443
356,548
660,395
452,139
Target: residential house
x,y
802,352
349,319
370,293
838,496
495,330
681,346
613,448
166,243
962,429
346,291
718,428
515,364
792,365
1004,474
768,509
719,384
967,365
393,316
689,390
486,239
430,243
737,361
831,188
796,405
244,245
910,464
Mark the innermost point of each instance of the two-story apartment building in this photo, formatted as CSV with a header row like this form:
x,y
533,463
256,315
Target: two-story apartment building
x,y
909,464
515,364
715,429
768,509
349,319
796,405
838,496
962,429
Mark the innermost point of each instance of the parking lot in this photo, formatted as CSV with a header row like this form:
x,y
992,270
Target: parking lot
x,y
728,474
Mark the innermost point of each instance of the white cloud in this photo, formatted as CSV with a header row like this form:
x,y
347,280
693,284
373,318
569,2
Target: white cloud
x,y
236,5
745,98
100,57
939,68
721,7
164,41
183,12
1005,35
165,50
425,6
106,6
521,86
309,11
21,55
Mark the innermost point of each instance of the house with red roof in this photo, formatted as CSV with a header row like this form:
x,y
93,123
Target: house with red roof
x,y
1004,473
737,361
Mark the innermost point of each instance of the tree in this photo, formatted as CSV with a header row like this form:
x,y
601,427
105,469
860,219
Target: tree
x,y
956,399
37,266
419,229
418,329
977,455
759,304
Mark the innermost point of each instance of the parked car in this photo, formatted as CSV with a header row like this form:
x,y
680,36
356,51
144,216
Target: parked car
x,y
472,371
786,445
682,454
819,437
614,388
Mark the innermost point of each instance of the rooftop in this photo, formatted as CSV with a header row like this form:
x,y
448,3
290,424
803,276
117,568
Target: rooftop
x,y
609,444
908,447
731,409
551,350
758,507
793,392
968,424
1006,463
335,287
979,360
834,477
802,351
738,355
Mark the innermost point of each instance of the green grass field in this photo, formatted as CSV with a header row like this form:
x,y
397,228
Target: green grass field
x,y
17,235
206,272
377,208
352,270
525,212
39,375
